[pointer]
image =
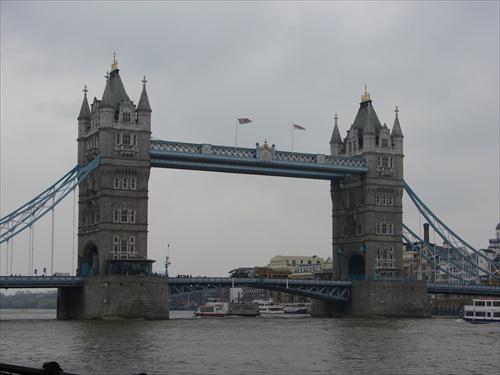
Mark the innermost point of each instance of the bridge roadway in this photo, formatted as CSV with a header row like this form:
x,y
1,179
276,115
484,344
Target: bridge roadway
x,y
261,160
324,290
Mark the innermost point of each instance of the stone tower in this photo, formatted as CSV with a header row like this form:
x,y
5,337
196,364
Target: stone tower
x,y
367,209
113,200
367,220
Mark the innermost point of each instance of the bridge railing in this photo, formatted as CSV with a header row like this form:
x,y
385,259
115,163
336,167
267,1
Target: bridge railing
x,y
159,148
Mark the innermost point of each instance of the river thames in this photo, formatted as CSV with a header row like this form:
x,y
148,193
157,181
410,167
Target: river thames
x,y
264,345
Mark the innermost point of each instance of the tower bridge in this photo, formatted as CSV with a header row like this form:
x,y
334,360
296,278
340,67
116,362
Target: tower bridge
x,y
116,152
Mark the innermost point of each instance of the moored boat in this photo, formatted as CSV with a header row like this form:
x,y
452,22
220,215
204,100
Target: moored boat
x,y
482,311
269,307
217,309
297,308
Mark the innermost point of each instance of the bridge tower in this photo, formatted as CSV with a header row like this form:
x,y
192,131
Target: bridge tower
x,y
113,211
367,220
368,209
113,201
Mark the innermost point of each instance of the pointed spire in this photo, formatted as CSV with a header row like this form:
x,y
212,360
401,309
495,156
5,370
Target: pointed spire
x,y
143,105
369,129
336,139
107,96
396,128
85,110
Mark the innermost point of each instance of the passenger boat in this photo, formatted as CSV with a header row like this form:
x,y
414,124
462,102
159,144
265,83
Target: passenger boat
x,y
482,311
269,307
297,308
216,309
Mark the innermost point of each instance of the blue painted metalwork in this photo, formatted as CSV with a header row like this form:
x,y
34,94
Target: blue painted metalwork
x,y
324,290
318,289
419,245
459,246
40,281
28,214
464,289
262,160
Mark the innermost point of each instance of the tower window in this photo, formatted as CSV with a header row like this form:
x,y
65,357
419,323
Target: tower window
x,y
385,142
124,248
124,216
384,161
125,183
126,116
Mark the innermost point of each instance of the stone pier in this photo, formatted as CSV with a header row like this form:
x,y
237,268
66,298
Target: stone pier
x,y
115,297
380,298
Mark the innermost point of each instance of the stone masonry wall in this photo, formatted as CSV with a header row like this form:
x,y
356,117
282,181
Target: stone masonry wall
x,y
380,298
116,297
390,298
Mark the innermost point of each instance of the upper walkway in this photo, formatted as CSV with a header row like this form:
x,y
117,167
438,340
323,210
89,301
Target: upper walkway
x,y
261,160
324,290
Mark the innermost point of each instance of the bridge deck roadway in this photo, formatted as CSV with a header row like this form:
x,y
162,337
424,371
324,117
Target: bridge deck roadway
x,y
318,289
205,157
324,290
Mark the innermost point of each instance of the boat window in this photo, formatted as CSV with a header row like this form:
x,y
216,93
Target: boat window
x,y
496,303
480,313
469,313
480,303
496,314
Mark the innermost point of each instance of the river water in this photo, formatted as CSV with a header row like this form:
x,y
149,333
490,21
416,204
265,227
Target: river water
x,y
264,345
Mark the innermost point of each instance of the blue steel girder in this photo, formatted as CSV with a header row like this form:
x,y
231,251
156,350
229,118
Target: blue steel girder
x,y
464,289
316,289
29,213
40,281
205,157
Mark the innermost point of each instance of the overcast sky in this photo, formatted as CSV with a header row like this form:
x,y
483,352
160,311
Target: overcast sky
x,y
208,63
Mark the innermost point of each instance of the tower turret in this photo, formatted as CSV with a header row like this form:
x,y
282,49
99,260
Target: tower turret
x,y
336,140
144,108
105,107
84,116
397,134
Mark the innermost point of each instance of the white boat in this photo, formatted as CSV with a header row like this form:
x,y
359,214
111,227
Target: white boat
x,y
482,311
217,309
269,307
297,308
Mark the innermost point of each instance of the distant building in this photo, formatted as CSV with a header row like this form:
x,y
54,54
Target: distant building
x,y
495,242
300,266
493,253
294,263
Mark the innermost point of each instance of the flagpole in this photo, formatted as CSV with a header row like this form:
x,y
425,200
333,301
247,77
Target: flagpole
x,y
292,138
236,140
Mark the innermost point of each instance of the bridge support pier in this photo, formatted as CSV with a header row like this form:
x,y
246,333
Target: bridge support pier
x,y
381,298
116,297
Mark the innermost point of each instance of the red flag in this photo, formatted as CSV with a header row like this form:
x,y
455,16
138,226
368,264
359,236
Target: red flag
x,y
298,127
244,120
